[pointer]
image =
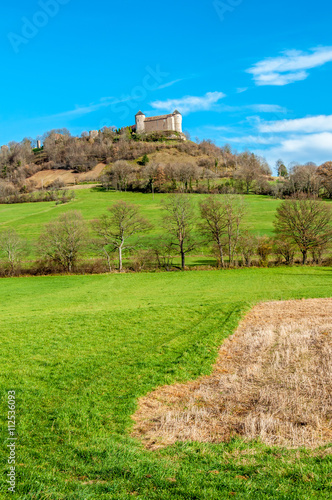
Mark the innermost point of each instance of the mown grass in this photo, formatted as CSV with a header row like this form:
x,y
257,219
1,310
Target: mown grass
x,y
80,350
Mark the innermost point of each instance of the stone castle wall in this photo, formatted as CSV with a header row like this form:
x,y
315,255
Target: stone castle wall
x,y
159,123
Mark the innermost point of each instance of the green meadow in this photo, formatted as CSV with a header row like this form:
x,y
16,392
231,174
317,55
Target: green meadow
x,y
29,218
80,350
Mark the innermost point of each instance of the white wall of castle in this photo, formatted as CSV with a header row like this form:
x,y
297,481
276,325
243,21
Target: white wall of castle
x,y
173,122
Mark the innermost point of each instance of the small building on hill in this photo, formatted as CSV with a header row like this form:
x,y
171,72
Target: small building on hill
x,y
163,123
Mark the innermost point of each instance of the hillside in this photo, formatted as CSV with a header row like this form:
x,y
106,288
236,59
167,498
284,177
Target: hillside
x,y
44,178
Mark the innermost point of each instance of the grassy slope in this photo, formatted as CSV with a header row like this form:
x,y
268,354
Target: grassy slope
x,y
28,219
80,350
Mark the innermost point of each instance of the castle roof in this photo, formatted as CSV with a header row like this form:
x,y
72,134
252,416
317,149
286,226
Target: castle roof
x,y
176,112
140,113
161,117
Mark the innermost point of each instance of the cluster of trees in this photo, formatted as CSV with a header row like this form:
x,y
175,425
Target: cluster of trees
x,y
302,225
199,176
9,195
309,179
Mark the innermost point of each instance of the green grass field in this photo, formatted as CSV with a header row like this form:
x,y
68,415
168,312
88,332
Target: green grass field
x,y
28,219
80,350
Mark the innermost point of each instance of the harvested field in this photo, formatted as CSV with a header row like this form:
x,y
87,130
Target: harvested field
x,y
45,177
272,380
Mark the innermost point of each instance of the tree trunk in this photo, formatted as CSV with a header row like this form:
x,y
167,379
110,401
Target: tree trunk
x,y
120,258
109,263
221,255
305,255
182,260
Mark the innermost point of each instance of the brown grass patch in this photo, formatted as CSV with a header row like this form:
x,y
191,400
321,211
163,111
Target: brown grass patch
x,y
272,380
46,177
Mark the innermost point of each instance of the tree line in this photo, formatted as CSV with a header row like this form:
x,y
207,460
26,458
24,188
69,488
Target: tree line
x,y
302,226
201,167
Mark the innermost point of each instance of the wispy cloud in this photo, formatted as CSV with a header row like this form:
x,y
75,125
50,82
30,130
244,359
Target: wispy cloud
x,y
250,139
290,67
170,84
267,108
190,104
311,124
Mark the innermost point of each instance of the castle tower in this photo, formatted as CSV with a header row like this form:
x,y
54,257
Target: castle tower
x,y
140,122
177,121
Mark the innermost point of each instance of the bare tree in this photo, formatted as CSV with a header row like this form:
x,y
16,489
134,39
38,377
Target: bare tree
x,y
186,173
247,246
214,225
264,249
150,173
116,228
284,249
63,239
121,173
305,179
179,222
305,222
234,214
12,248
164,252
250,169
325,174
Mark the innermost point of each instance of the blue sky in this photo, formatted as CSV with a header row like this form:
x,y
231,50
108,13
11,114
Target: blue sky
x,y
250,73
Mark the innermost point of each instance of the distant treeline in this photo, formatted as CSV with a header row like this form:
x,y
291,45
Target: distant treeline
x,y
202,167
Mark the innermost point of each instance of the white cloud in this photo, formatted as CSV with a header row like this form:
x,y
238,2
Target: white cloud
x,y
241,90
291,67
169,84
300,148
311,124
250,139
190,104
86,109
267,108
309,144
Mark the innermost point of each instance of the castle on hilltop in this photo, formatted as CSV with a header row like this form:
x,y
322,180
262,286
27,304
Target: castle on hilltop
x,y
163,123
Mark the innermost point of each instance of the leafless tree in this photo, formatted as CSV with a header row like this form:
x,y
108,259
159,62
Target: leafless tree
x,y
305,179
117,227
234,214
149,173
185,174
164,252
250,169
264,249
247,246
12,248
215,221
63,239
121,173
305,222
179,221
325,174
284,250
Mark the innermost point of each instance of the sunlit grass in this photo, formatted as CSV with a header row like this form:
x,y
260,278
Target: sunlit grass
x,y
80,350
